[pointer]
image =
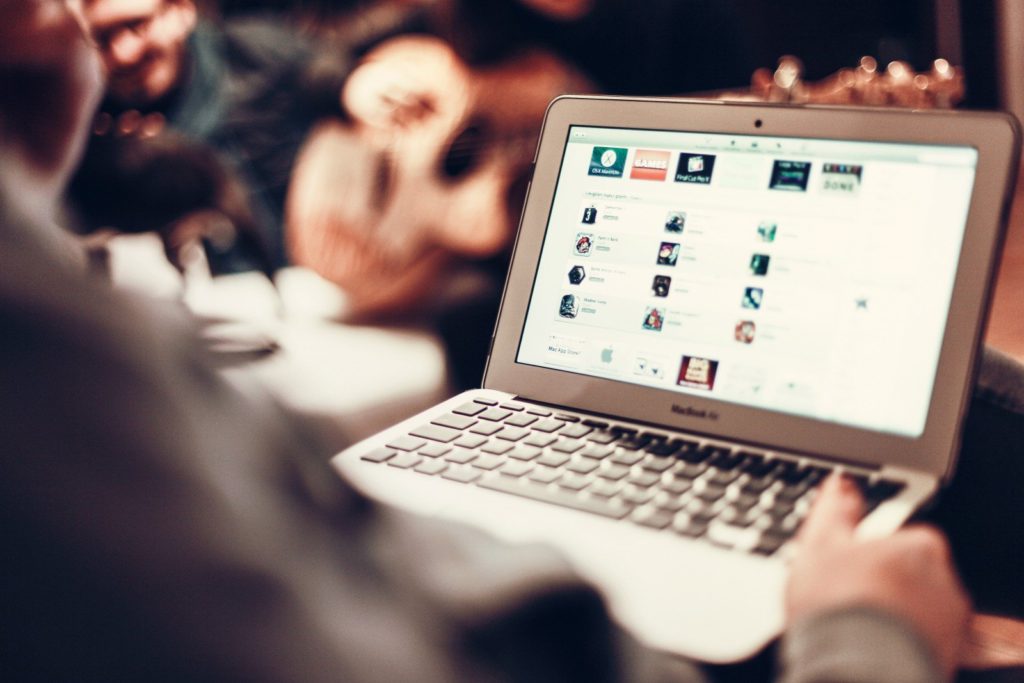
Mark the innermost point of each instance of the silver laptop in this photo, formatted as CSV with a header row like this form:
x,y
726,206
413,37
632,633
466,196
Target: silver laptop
x,y
710,307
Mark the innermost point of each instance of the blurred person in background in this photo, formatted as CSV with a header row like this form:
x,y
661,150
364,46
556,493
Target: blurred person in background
x,y
200,117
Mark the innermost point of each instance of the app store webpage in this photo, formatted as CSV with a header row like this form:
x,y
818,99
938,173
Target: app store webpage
x,y
810,277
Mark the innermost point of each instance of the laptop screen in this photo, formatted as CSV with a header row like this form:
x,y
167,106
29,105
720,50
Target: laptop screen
x,y
800,275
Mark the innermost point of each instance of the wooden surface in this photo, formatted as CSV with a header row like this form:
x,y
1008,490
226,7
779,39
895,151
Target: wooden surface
x,y
1006,318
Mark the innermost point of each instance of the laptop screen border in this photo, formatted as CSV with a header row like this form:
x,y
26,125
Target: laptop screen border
x,y
993,135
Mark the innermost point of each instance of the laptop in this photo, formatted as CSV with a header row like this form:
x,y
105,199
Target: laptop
x,y
710,307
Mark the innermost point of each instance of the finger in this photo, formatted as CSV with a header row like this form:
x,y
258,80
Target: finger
x,y
835,513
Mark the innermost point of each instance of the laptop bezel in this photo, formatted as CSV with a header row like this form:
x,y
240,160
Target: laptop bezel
x,y
994,135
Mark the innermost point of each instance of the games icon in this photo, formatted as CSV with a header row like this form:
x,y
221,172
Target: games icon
x,y
675,221
697,373
654,319
668,253
752,297
649,164
766,230
569,307
660,286
584,243
590,215
577,275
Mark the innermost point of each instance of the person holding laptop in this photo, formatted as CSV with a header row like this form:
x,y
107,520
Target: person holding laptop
x,y
157,526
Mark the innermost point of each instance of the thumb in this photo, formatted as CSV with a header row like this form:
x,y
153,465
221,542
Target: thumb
x,y
835,514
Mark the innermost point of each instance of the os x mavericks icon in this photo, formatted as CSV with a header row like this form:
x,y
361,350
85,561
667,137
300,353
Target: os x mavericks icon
x,y
608,161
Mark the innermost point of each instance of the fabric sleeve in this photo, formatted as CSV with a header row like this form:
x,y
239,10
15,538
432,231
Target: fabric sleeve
x,y
855,645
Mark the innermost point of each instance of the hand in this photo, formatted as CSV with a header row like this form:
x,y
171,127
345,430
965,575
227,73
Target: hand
x,y
909,574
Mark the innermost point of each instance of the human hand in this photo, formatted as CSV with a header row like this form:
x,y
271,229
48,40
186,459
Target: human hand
x,y
909,574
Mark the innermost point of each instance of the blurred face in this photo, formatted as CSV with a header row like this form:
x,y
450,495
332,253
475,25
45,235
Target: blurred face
x,y
143,44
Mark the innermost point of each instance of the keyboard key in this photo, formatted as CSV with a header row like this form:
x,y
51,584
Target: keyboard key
x,y
521,420
406,443
724,459
637,496
657,463
633,443
583,465
548,426
663,447
627,457
612,470
463,475
553,459
487,428
596,424
494,414
565,417
437,433
454,421
567,445
602,437
623,431
559,496
497,447
512,434
596,451
685,525
379,455
461,456
693,455
489,462
515,407
604,487
431,467
434,450
470,409
576,431
485,401
644,479
729,536
724,477
540,440
516,468
571,480
652,517
471,441
540,412
405,460
757,486
709,492
664,500
544,475
691,470
524,452
677,485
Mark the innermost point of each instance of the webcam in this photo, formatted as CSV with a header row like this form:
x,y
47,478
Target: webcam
x,y
757,123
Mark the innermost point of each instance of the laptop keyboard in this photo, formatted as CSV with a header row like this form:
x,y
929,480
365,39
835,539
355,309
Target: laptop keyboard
x,y
732,497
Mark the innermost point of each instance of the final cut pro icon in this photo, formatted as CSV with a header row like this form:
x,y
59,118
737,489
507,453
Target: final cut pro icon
x,y
608,161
